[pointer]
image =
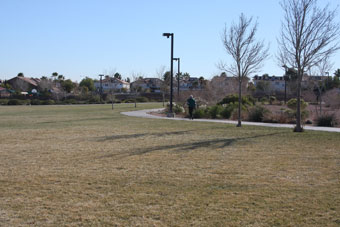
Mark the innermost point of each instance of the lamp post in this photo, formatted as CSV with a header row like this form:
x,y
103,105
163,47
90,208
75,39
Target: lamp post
x,y
101,87
285,78
327,79
178,74
171,114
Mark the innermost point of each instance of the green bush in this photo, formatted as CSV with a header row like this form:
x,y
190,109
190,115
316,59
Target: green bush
x,y
48,102
264,100
35,102
142,99
215,111
227,111
246,100
15,102
3,101
257,113
291,115
199,113
128,101
94,99
177,109
327,120
70,101
292,104
272,99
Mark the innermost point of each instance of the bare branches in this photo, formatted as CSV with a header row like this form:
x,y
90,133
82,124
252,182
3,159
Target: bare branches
x,y
247,53
240,43
309,34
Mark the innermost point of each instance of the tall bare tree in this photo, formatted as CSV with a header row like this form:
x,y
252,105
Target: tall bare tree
x,y
309,34
247,53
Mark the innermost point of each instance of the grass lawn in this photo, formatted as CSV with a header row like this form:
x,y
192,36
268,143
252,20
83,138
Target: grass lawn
x,y
89,165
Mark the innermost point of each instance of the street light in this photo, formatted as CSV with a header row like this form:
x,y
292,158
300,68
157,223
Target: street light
x,y
178,75
285,78
171,114
101,87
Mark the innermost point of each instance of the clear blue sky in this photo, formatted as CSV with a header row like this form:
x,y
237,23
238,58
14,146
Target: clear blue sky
x,y
79,38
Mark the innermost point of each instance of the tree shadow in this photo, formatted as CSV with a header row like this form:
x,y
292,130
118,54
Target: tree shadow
x,y
137,135
190,146
76,120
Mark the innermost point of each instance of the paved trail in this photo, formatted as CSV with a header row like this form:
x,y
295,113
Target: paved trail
x,y
145,114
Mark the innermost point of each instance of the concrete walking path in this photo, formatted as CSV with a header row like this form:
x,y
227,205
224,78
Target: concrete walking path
x,y
145,114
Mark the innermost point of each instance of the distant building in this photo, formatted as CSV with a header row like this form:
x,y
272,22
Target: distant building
x,y
191,83
4,93
112,84
227,84
147,85
25,84
273,83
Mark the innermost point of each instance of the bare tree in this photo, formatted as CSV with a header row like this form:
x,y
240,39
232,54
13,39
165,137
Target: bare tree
x,y
320,69
309,34
247,53
164,88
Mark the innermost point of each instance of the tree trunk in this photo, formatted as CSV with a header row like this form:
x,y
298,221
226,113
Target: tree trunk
x,y
298,127
239,103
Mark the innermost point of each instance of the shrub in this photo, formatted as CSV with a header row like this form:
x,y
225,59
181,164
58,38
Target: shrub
x,y
227,111
246,100
215,111
327,120
142,99
177,109
3,101
35,102
15,102
128,101
257,113
264,100
48,102
199,113
272,99
70,101
94,99
292,104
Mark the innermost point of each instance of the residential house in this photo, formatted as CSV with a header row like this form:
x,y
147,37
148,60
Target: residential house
x,y
227,84
24,84
147,84
191,83
4,93
112,84
272,84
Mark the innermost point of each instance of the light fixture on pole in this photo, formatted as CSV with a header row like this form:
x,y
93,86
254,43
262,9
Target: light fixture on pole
x,y
178,74
168,35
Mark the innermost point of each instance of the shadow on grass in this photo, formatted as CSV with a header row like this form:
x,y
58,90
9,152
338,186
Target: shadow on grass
x,y
133,136
77,120
190,146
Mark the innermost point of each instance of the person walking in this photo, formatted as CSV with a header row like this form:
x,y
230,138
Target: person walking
x,y
191,102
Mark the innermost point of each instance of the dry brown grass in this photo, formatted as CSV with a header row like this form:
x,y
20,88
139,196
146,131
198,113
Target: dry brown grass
x,y
89,166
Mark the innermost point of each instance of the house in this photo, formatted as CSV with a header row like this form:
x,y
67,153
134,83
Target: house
x,y
271,83
112,84
25,84
227,84
191,83
4,93
147,84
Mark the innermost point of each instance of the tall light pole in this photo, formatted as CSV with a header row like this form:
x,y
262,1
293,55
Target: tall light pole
x,y
285,78
101,87
171,114
178,74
